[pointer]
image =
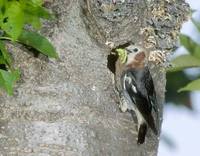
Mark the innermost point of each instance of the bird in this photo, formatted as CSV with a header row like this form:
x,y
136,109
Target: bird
x,y
135,87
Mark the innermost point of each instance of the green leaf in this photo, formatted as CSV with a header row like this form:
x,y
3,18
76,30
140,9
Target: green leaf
x,y
8,79
38,42
32,9
38,2
192,86
13,20
33,20
2,61
5,54
196,23
3,6
183,62
190,45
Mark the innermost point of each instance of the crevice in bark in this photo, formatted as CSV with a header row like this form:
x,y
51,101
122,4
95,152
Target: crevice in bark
x,y
111,59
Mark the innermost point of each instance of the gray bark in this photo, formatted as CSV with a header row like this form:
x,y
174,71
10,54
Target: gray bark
x,y
68,107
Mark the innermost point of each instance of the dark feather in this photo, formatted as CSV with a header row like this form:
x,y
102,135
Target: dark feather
x,y
142,133
144,98
149,85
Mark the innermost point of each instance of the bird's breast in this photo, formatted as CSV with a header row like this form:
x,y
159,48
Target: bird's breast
x,y
137,61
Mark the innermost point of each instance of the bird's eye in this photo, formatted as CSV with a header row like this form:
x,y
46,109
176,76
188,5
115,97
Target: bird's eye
x,y
132,49
135,49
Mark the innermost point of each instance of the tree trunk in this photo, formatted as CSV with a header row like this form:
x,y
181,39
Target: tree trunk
x,y
68,107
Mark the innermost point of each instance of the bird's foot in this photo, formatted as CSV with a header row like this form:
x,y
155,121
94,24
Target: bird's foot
x,y
123,105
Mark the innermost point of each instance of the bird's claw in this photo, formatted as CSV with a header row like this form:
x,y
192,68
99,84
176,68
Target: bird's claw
x,y
123,105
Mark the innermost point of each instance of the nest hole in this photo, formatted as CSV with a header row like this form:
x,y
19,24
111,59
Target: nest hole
x,y
112,57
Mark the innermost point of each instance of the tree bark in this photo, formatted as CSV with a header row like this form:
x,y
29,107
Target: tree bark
x,y
68,107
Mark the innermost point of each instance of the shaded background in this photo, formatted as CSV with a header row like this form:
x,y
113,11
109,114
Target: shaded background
x,y
181,124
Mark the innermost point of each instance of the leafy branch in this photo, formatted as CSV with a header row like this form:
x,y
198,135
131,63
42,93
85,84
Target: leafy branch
x,y
14,16
191,60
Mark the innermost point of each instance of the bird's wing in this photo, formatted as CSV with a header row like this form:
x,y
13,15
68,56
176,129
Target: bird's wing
x,y
137,91
149,86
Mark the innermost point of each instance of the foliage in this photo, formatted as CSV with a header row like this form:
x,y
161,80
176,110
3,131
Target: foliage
x,y
194,85
15,15
175,81
184,62
192,60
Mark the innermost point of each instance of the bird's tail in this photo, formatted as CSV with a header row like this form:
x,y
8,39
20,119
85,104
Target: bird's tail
x,y
151,123
143,125
142,133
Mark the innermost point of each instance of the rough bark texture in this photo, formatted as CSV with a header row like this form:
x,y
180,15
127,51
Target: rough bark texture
x,y
67,107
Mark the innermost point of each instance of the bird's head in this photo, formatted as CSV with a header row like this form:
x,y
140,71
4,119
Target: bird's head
x,y
130,53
